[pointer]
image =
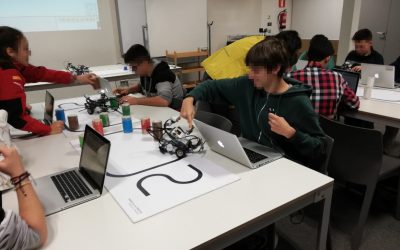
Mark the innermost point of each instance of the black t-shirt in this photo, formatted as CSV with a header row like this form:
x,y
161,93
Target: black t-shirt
x,y
373,58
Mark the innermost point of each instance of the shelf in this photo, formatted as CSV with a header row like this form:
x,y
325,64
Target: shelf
x,y
194,67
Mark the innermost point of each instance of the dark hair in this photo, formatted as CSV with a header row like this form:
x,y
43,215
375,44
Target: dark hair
x,y
137,54
9,38
362,34
293,43
320,48
269,54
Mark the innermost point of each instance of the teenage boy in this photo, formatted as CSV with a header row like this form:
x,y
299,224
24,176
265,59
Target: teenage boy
x,y
159,85
273,111
330,90
363,51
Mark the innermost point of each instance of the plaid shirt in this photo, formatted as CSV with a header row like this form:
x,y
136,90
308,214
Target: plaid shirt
x,y
329,89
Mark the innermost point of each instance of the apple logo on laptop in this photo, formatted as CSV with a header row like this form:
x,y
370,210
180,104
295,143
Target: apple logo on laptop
x,y
221,144
376,75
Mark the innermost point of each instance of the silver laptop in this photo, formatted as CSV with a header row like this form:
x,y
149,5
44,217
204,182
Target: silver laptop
x,y
384,75
244,151
75,186
48,108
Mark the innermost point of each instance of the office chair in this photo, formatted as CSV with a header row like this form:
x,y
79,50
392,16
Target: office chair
x,y
357,157
214,120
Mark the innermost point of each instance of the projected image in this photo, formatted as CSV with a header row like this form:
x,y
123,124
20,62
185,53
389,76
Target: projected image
x,y
50,15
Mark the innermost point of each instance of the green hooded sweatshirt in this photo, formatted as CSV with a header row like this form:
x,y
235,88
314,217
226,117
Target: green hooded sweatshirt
x,y
305,147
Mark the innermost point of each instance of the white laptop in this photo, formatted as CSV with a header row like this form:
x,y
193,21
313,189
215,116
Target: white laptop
x,y
244,151
75,186
384,75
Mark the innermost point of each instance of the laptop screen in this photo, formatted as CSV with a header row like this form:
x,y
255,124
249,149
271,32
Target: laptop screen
x,y
384,74
352,78
94,157
48,107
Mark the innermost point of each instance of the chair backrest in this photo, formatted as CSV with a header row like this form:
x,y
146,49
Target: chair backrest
x,y
356,154
214,120
329,141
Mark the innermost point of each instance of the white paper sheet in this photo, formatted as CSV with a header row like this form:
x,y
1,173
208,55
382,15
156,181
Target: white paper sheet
x,y
149,189
381,94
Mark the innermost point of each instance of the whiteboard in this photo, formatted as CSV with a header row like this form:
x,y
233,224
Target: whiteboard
x,y
179,25
131,17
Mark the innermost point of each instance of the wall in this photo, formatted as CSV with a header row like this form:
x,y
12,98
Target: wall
x,y
349,25
90,47
269,13
232,17
310,17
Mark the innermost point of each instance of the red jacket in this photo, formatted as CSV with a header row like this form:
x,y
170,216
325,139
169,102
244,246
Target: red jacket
x,y
13,98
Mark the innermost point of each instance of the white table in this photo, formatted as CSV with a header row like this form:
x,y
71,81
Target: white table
x,y
116,72
378,109
214,220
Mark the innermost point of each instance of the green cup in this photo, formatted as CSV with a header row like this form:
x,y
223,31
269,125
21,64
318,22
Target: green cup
x,y
126,109
81,140
113,103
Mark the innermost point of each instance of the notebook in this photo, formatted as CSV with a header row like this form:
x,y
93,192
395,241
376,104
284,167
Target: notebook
x,y
352,78
75,186
384,75
244,151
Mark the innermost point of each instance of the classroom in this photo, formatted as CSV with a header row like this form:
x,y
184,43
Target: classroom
x,y
200,124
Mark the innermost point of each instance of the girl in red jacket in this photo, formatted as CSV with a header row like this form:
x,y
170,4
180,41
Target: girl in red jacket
x,y
15,71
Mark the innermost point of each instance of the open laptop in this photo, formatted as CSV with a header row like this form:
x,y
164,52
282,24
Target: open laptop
x,y
384,75
352,78
75,186
246,152
48,108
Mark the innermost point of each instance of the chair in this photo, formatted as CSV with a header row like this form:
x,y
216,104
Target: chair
x,y
357,158
214,120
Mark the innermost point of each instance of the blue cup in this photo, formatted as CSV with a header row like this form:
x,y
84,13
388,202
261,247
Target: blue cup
x,y
60,114
127,124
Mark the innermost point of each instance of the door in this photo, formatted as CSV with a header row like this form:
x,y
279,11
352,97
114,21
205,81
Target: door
x,y
392,46
382,18
374,16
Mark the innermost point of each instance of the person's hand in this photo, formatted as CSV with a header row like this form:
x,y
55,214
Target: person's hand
x,y
56,127
89,78
280,126
11,164
187,110
121,91
129,99
356,68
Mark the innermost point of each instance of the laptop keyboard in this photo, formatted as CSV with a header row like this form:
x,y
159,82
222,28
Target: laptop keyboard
x,y
70,186
254,156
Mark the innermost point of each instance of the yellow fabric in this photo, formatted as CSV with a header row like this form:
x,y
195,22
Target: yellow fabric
x,y
228,62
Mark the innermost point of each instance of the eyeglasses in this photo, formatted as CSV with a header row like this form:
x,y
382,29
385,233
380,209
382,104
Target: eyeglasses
x,y
134,66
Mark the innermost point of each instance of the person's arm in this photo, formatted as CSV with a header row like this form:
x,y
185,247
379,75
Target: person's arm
x,y
30,208
349,98
127,90
42,74
226,91
149,101
18,118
